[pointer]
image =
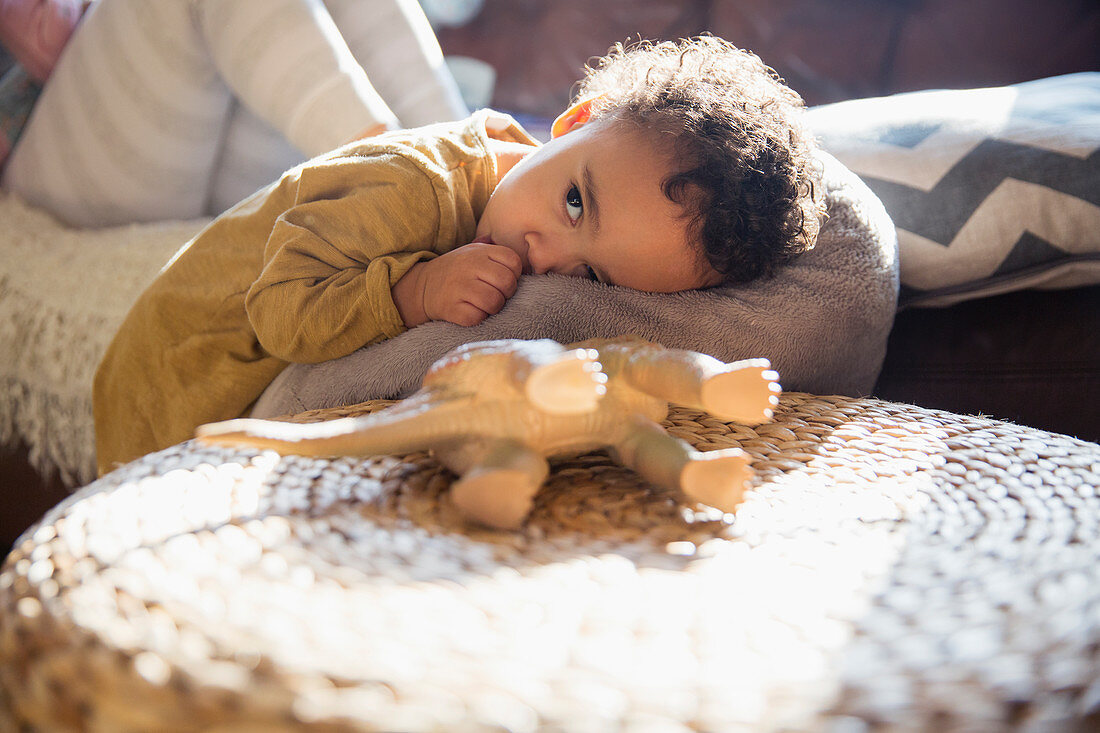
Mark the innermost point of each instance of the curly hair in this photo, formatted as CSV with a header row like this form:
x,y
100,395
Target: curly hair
x,y
745,175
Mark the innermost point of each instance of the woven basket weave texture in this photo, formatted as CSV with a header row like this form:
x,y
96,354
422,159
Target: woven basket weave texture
x,y
893,567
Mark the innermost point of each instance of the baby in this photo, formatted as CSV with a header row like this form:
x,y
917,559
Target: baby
x,y
683,165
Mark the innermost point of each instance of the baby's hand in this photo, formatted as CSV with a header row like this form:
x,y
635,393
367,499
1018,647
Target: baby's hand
x,y
463,286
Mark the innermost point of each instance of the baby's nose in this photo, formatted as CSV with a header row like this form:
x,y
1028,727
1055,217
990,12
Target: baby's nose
x,y
552,252
540,254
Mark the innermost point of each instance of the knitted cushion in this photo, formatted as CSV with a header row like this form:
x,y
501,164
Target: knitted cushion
x,y
892,567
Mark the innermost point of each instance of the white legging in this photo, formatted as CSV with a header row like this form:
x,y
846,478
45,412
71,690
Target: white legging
x,y
174,109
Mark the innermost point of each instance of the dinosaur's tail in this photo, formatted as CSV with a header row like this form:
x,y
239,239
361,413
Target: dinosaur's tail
x,y
394,430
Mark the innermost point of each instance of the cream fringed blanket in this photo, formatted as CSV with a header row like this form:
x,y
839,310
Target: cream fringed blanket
x,y
63,293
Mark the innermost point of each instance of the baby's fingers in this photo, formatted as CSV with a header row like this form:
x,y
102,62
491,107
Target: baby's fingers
x,y
506,258
465,314
486,296
502,278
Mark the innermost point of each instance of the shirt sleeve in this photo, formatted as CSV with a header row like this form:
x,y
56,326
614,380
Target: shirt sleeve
x,y
290,64
333,256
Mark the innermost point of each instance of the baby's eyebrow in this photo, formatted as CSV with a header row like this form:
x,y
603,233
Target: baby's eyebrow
x,y
591,199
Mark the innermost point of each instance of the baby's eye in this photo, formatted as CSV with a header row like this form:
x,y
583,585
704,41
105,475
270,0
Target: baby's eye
x,y
591,274
574,206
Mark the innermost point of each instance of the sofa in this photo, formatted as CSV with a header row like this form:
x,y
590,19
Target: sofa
x,y
1028,356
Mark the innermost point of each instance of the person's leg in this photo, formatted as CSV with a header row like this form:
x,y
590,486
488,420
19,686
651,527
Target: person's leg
x,y
254,155
392,37
130,122
287,63
395,44
133,120
301,90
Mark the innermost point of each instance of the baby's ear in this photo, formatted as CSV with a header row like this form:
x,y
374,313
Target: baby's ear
x,y
573,117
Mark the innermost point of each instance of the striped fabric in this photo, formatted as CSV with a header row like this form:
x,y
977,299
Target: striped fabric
x,y
992,190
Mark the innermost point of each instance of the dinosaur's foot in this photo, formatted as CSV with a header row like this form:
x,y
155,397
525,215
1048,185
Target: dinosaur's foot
x,y
746,394
571,384
497,497
717,478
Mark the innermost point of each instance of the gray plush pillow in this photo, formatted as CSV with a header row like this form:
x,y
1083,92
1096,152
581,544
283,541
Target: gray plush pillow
x,y
991,190
823,320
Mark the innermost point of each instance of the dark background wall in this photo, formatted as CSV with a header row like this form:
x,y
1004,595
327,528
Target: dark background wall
x,y
828,50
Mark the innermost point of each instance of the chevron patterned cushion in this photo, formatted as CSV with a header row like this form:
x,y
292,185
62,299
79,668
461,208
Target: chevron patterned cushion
x,y
991,190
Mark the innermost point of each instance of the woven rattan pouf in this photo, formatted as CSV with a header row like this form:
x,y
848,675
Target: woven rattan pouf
x,y
894,567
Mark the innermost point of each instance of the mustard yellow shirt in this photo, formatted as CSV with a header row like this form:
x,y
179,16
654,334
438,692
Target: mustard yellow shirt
x,y
299,272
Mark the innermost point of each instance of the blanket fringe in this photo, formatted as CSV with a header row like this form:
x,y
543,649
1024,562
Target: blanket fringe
x,y
46,379
63,294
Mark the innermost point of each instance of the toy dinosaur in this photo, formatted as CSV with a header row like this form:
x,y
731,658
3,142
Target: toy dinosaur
x,y
494,411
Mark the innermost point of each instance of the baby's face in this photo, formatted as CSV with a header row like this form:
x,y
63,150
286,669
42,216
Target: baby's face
x,y
589,204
